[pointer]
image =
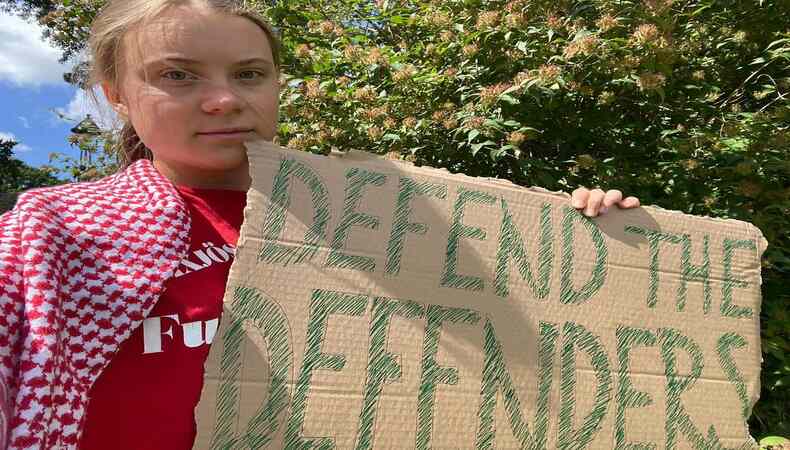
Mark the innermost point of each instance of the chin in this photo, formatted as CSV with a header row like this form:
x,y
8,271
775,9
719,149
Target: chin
x,y
226,158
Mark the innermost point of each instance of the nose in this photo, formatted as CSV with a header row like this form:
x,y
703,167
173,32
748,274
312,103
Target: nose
x,y
221,98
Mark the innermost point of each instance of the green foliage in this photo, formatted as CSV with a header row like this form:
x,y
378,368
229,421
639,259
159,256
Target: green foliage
x,y
37,8
774,443
97,158
16,176
683,103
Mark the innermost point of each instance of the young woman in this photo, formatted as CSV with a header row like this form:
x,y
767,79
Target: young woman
x,y
91,274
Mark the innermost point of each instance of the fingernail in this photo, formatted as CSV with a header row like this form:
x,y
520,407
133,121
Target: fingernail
x,y
604,210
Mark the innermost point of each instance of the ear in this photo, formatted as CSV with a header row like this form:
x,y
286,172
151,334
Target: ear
x,y
114,99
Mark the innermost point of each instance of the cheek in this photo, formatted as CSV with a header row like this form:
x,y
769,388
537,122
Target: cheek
x,y
267,105
159,120
166,110
268,101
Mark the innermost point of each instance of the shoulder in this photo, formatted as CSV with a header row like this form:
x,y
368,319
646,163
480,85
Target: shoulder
x,y
137,200
64,193
138,186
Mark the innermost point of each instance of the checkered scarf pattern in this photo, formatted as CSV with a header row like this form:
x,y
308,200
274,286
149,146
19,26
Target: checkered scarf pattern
x,y
81,266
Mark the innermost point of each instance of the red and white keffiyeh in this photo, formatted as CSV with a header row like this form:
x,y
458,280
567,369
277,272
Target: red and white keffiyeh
x,y
81,266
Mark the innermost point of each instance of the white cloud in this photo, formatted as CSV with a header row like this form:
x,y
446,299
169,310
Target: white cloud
x,y
25,121
25,58
18,148
82,104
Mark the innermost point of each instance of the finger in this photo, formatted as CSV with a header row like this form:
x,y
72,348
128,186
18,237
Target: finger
x,y
612,196
594,203
579,197
629,202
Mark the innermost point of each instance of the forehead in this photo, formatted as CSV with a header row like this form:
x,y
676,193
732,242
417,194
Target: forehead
x,y
196,33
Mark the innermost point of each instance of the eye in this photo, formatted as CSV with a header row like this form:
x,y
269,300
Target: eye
x,y
175,75
251,74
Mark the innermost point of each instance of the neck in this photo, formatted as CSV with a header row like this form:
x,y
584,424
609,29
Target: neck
x,y
237,179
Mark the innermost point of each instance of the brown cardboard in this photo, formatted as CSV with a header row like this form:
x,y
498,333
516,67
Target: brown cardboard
x,y
431,336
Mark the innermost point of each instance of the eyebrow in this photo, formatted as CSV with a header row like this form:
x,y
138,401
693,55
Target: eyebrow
x,y
245,62
188,61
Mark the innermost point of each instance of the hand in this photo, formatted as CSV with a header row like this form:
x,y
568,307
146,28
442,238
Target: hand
x,y
594,202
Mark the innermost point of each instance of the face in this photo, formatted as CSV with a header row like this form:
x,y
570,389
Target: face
x,y
196,84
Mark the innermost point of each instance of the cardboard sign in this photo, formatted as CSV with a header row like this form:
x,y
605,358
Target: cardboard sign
x,y
374,304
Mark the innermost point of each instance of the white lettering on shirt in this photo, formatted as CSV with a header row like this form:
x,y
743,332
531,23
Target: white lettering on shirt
x,y
194,334
152,333
205,257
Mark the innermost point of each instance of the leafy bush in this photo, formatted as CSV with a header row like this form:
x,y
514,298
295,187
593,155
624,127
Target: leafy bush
x,y
16,176
682,103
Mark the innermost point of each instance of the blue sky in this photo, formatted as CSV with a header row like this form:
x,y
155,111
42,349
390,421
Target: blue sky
x,y
32,88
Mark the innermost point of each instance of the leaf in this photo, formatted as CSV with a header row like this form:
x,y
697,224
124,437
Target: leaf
x,y
496,154
513,88
472,135
493,124
476,147
580,9
776,42
508,99
391,137
736,144
699,11
582,33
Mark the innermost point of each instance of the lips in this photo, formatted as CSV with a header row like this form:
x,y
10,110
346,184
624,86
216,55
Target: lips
x,y
227,131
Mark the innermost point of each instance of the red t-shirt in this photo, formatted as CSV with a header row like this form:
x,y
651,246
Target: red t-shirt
x,y
145,399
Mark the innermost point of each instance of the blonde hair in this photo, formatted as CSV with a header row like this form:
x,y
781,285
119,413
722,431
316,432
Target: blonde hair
x,y
107,35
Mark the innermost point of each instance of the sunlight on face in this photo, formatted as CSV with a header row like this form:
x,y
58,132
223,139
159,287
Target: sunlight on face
x,y
196,84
